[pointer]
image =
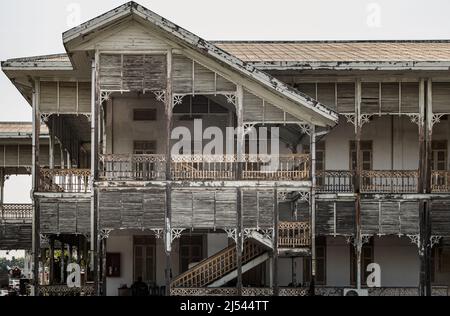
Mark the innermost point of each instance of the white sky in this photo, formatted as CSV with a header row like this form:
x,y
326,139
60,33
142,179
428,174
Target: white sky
x,y
29,28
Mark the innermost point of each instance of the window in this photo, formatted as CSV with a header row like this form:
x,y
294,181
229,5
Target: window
x,y
191,251
145,258
367,257
144,147
321,263
366,155
439,155
144,115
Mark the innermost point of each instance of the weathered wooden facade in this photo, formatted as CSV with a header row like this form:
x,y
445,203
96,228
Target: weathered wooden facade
x,y
197,224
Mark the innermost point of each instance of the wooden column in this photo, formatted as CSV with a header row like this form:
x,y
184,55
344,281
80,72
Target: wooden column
x,y
52,261
168,213
2,191
357,183
313,211
239,241
36,240
103,265
51,147
63,262
424,184
95,99
276,289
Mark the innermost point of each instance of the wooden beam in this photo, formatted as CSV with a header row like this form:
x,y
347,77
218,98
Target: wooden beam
x,y
95,99
276,289
357,181
239,240
36,240
313,210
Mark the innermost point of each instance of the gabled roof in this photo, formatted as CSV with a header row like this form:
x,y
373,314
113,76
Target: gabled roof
x,y
204,47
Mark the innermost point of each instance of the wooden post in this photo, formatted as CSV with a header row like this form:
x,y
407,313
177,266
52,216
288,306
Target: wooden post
x,y
103,261
51,147
168,215
239,241
63,262
425,152
313,211
276,290
357,183
36,240
52,261
2,192
95,99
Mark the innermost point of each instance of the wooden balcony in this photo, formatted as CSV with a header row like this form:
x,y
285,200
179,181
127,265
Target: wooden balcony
x,y
335,181
65,180
16,213
380,181
132,167
440,181
294,235
203,168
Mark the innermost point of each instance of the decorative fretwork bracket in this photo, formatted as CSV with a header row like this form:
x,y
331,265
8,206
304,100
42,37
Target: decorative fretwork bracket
x,y
364,119
104,96
415,118
305,129
351,118
436,119
45,239
434,240
231,233
415,239
248,128
88,116
175,233
160,95
361,120
354,241
178,99
231,98
45,117
304,197
104,233
282,196
158,232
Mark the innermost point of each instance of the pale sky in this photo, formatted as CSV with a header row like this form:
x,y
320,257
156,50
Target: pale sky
x,y
34,27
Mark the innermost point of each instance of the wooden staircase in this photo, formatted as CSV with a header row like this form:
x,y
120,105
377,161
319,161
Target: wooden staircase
x,y
221,265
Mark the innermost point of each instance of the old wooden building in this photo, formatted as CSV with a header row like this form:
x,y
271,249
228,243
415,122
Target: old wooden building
x,y
363,172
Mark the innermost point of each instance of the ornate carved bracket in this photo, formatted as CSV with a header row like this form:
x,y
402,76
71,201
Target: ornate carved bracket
x,y
178,99
231,98
415,239
175,233
434,240
305,129
104,96
415,118
104,233
158,232
45,117
436,119
232,233
160,96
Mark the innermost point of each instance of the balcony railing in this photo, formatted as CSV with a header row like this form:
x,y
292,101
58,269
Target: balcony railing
x,y
16,212
65,180
380,181
294,234
331,181
133,167
283,167
389,181
440,181
201,167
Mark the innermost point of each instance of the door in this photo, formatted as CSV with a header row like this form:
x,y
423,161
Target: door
x,y
145,259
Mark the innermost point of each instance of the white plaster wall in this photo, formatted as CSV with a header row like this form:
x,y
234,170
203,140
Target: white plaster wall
x,y
124,246
399,261
402,141
216,243
286,268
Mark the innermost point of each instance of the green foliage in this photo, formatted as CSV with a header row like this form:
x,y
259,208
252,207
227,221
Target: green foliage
x,y
14,262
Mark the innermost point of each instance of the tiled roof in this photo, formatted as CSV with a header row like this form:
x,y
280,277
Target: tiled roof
x,y
356,51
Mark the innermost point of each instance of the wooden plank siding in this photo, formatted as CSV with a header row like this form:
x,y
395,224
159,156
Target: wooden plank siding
x,y
65,97
377,218
20,156
15,236
440,218
131,209
65,216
